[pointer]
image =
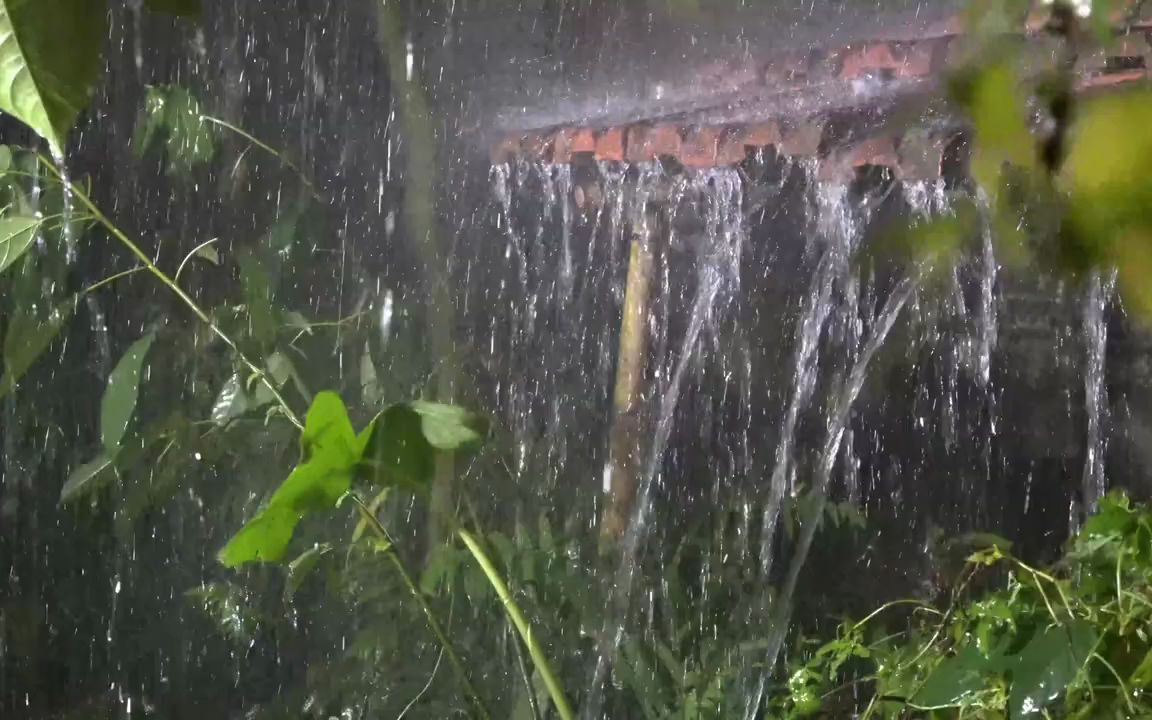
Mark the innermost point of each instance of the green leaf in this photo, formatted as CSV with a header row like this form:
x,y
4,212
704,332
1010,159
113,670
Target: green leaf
x,y
443,564
300,568
119,401
174,118
232,402
29,334
280,369
88,477
16,235
370,391
49,61
1047,665
209,254
397,452
448,427
180,8
955,680
329,450
257,283
328,434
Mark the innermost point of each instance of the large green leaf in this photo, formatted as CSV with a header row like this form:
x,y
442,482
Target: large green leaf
x,y
119,401
30,332
16,235
329,450
957,679
1047,665
49,61
397,452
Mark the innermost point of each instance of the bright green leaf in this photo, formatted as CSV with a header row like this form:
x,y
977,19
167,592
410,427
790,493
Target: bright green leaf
x,y
49,61
87,477
329,450
29,333
119,401
16,235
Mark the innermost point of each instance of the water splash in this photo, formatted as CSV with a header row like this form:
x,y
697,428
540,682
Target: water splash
x,y
837,231
718,263
1095,333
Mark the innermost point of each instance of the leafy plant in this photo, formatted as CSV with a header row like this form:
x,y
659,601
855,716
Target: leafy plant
x,y
1072,641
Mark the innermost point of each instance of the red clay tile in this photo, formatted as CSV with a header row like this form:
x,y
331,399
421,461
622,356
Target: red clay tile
x,y
610,145
761,134
699,147
581,140
648,142
803,139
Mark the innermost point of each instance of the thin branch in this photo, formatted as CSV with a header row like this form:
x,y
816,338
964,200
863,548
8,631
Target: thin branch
x,y
146,261
266,148
193,251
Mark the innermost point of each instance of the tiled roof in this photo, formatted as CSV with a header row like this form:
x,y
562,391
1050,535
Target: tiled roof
x,y
867,103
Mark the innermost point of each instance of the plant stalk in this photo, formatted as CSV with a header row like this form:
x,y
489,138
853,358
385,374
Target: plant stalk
x,y
539,659
146,261
429,614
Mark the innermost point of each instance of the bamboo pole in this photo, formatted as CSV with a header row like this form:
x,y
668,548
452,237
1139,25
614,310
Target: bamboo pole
x,y
625,446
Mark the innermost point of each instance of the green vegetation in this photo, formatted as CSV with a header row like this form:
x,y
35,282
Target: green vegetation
x,y
324,520
1072,641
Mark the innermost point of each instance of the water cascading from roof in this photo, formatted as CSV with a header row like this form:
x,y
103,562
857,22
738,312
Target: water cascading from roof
x,y
839,322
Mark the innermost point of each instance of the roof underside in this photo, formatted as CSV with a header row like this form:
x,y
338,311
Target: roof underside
x,y
873,102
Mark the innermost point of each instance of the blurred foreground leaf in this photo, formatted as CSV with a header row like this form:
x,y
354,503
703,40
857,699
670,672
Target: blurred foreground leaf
x,y
1106,176
49,61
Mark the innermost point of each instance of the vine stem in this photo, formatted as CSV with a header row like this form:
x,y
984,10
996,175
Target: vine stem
x,y
111,279
266,148
897,603
539,659
146,261
434,625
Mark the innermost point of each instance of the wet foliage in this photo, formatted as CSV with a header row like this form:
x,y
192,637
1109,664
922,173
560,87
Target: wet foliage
x,y
1006,640
354,535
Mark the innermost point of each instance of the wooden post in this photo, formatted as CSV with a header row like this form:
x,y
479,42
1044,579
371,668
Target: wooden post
x,y
625,450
